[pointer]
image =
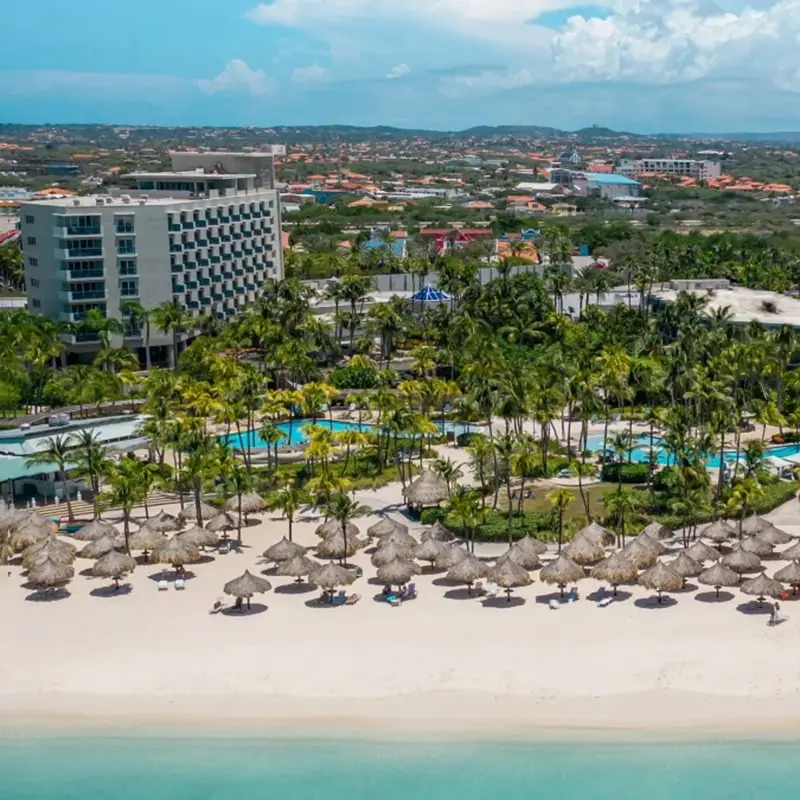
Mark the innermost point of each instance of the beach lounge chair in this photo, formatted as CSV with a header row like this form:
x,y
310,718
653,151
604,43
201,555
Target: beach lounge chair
x,y
410,593
340,599
554,605
163,586
478,587
395,601
606,601
180,583
493,590
352,599
224,548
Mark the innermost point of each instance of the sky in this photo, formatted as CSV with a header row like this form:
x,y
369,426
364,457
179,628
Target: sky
x,y
638,65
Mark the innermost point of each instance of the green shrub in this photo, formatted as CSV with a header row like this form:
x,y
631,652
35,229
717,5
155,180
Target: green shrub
x,y
495,528
630,473
467,439
431,515
354,377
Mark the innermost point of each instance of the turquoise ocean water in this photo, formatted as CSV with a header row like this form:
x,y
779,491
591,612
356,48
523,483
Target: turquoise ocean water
x,y
85,767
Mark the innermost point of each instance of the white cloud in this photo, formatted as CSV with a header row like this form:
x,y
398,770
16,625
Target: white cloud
x,y
491,80
310,74
238,75
398,71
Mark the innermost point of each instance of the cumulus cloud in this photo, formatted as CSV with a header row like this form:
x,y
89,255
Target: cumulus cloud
x,y
398,71
238,76
313,73
486,80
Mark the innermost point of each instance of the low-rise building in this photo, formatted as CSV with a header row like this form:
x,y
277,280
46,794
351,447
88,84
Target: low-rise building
x,y
700,169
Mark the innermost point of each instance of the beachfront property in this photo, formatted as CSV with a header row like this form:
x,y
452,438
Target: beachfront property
x,y
205,235
700,169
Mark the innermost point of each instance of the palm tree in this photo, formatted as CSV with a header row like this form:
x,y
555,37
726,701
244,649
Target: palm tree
x,y
238,480
343,509
91,457
137,316
56,451
560,499
620,506
172,317
125,491
288,500
622,444
466,508
582,470
524,462
448,471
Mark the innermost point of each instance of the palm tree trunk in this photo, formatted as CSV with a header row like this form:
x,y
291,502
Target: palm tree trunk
x,y
148,362
126,529
239,520
290,517
70,515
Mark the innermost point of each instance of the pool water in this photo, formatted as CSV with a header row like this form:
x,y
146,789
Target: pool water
x,y
294,433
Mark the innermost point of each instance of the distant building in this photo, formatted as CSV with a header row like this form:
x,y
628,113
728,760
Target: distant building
x,y
445,239
569,157
605,186
701,170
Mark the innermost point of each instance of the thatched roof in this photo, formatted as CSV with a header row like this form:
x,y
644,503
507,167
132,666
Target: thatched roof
x,y
30,530
96,529
332,575
333,526
246,585
297,567
742,561
438,532
397,572
251,503
189,513
283,550
146,539
11,519
468,570
427,490
49,574
718,531
524,558
199,537
651,543
792,552
176,551
530,544
99,547
450,556
752,544
762,586
640,554
562,571
222,522
334,546
428,550
685,565
113,565
774,536
616,569
508,574
754,524
718,575
790,573
389,552
596,533
50,548
585,550
661,578
700,551
658,531
398,538
163,523
384,526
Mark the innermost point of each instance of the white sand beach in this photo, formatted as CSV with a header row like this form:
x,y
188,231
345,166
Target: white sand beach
x,y
442,661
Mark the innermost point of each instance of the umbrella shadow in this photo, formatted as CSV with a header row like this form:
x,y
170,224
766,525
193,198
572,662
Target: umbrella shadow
x,y
619,597
503,602
544,599
315,602
86,573
443,581
295,588
111,591
47,595
686,588
461,594
244,611
652,602
204,559
753,608
711,597
169,575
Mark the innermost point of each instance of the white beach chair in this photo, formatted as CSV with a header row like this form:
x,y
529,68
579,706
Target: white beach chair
x,y
478,587
180,583
493,590
554,605
606,601
163,586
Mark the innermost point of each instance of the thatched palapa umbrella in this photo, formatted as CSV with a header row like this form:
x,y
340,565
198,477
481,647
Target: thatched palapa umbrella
x,y
99,547
283,551
718,575
789,574
661,578
96,529
176,552
468,570
30,531
754,524
508,574
616,569
439,533
752,544
761,587
685,566
163,523
146,539
792,552
772,535
49,575
11,519
398,538
114,565
333,526
651,543
450,556
700,551
640,554
562,571
199,537
298,566
245,586
250,504
50,548
389,552
719,531
428,550
330,577
222,523
585,551
189,513
335,546
741,561
397,572
596,533
427,490
524,558
658,531
384,526
530,544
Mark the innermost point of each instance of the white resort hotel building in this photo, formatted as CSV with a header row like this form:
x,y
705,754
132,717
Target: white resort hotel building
x,y
205,235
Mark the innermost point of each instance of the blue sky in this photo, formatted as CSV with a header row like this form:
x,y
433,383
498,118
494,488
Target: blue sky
x,y
643,65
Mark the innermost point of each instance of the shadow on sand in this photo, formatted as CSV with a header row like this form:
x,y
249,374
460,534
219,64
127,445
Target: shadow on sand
x,y
711,597
112,591
652,602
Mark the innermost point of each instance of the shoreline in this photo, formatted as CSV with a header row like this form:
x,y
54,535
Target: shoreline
x,y
659,715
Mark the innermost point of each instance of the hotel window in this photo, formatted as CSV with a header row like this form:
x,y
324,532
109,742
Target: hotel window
x,y
127,266
33,262
129,288
29,220
34,281
36,303
32,241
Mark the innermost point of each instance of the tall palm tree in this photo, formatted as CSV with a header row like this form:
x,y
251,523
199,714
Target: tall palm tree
x,y
137,316
172,317
344,509
125,490
56,452
91,457
288,500
465,507
560,499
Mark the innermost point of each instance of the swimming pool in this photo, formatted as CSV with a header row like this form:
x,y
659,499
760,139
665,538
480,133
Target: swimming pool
x,y
294,433
641,451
